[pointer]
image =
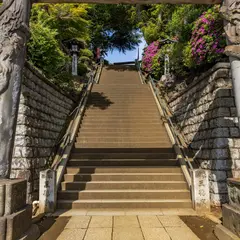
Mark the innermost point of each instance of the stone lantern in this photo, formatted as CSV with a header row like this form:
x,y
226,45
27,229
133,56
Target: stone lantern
x,y
74,47
166,56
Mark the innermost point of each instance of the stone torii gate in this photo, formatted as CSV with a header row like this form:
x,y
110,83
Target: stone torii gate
x,y
14,34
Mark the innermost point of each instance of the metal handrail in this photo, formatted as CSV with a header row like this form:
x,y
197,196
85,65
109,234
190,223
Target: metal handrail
x,y
175,133
172,132
68,137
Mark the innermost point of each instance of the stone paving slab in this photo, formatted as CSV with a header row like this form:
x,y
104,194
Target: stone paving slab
x,y
149,222
181,233
72,234
141,227
155,234
99,234
127,234
171,221
101,222
77,222
126,222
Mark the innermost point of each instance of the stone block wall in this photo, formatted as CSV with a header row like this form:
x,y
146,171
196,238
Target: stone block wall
x,y
42,113
205,112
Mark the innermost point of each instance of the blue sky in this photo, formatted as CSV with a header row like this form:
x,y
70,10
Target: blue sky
x,y
116,56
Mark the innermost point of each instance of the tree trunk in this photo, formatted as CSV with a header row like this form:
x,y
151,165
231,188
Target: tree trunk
x,y
14,34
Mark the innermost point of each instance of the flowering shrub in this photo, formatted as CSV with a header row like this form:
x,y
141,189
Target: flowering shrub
x,y
207,42
149,53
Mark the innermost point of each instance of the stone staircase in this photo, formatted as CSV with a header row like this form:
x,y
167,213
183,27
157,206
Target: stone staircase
x,y
123,157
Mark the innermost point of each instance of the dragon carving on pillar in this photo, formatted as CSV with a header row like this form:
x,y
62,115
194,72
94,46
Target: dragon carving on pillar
x,y
13,35
230,11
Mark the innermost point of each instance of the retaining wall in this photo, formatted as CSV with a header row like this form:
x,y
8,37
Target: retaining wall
x,y
42,113
206,114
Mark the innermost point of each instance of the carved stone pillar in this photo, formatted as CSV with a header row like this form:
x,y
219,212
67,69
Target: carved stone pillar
x,y
14,33
15,214
231,13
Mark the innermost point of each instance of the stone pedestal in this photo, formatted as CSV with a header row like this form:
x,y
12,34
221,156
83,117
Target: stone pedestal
x,y
231,219
233,185
16,215
230,213
200,190
47,191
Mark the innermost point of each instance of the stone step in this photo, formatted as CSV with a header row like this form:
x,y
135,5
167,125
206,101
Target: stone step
x,y
118,115
97,185
151,151
127,90
114,87
106,134
132,112
122,169
99,118
123,194
121,98
121,106
130,131
123,125
146,127
126,138
124,177
117,121
142,144
107,95
121,103
115,155
122,162
124,203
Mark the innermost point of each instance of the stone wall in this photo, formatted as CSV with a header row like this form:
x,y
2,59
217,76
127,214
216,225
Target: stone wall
x,y
206,114
42,113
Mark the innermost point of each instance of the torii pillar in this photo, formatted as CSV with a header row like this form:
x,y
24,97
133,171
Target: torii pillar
x,y
231,13
15,214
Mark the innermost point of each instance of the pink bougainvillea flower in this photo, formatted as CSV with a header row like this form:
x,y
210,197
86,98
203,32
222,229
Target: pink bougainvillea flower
x,y
207,41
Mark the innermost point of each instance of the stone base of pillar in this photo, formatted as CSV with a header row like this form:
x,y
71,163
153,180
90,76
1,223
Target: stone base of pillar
x,y
223,233
230,230
231,219
16,215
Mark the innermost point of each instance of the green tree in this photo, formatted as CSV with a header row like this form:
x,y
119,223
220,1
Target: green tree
x,y
52,25
44,50
114,27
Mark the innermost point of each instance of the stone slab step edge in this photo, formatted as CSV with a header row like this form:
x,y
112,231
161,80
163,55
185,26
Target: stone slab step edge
x,y
166,203
84,185
127,169
109,177
123,194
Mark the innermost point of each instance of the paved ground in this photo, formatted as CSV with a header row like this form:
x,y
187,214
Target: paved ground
x,y
152,227
127,224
